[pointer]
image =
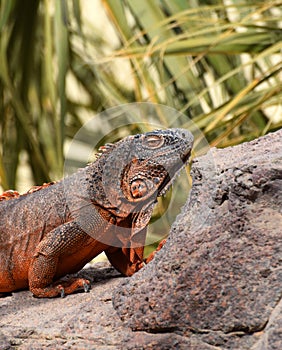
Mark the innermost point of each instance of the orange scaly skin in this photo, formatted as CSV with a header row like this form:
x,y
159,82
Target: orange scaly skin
x,y
55,229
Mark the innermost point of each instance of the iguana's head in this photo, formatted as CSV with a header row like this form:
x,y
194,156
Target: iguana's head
x,y
141,167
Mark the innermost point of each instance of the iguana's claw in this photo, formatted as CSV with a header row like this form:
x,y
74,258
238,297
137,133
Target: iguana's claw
x,y
62,292
86,287
62,288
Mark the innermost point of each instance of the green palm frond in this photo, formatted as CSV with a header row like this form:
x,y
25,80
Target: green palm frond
x,y
218,63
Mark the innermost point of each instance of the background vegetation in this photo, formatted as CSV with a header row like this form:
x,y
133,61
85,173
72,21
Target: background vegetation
x,y
219,62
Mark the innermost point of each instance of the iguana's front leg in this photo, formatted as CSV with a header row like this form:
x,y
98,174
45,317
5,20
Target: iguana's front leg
x,y
62,243
41,277
130,260
125,260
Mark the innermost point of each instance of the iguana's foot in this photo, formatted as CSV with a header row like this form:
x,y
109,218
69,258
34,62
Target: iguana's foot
x,y
151,256
62,288
138,266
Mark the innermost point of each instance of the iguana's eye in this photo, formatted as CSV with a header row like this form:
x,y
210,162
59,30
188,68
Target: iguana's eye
x,y
138,189
153,141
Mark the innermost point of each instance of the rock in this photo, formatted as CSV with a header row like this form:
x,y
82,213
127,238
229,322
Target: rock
x,y
218,279
5,344
79,321
215,285
272,336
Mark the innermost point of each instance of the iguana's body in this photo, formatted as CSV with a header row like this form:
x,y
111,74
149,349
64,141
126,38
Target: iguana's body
x,y
106,207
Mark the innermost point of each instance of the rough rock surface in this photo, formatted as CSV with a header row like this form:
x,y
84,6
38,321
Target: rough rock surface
x,y
219,277
215,285
79,321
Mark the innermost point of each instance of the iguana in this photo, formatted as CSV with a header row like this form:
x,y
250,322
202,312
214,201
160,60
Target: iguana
x,y
57,228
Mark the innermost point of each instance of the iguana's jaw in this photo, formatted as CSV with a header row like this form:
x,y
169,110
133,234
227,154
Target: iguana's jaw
x,y
174,171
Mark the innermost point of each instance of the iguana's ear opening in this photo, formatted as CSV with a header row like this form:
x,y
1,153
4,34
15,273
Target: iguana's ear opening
x,y
140,181
138,188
